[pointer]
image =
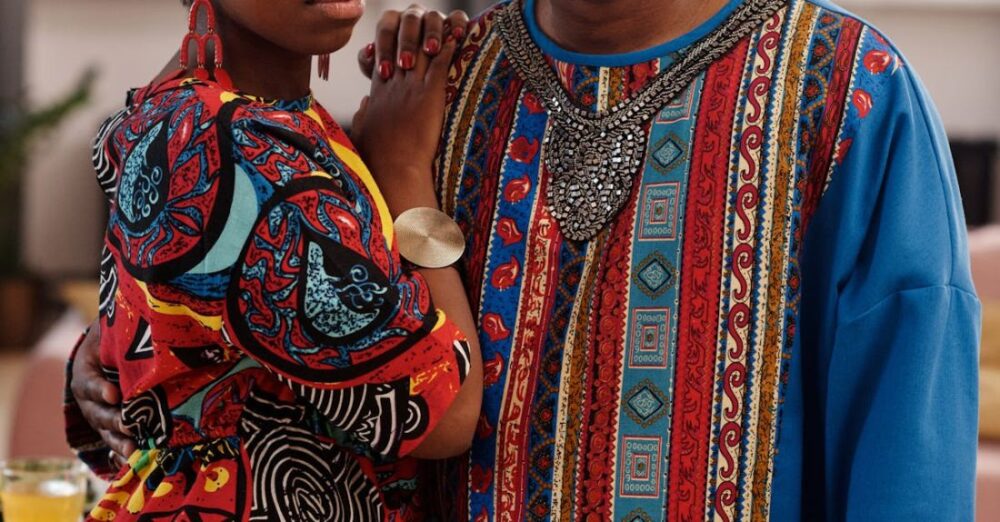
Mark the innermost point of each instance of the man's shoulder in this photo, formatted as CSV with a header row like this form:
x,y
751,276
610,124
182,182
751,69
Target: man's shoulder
x,y
827,14
483,27
841,44
487,18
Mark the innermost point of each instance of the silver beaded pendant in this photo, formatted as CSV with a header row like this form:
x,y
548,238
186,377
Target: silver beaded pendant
x,y
594,158
594,176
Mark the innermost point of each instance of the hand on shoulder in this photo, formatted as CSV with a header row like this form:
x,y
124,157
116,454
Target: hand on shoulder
x,y
398,127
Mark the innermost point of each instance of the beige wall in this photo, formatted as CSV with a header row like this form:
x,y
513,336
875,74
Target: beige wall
x,y
129,41
954,48
954,45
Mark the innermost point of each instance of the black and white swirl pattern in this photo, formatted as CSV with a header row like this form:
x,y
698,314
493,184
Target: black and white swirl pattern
x,y
417,417
379,416
109,285
296,477
101,156
464,358
148,417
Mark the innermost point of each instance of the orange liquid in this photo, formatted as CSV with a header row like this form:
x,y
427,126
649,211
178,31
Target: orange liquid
x,y
50,501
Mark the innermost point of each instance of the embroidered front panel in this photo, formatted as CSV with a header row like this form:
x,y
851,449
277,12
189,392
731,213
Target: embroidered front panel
x,y
638,375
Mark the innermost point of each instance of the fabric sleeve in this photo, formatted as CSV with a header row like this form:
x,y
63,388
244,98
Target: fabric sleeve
x,y
892,312
903,407
83,439
319,296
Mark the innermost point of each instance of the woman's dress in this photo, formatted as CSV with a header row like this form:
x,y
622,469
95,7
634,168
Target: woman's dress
x,y
277,360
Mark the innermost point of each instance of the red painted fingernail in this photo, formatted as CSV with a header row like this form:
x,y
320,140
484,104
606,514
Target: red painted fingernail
x,y
370,50
458,33
432,46
385,69
406,60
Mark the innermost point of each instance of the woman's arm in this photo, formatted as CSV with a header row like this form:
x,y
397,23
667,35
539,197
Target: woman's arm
x,y
454,433
437,375
455,427
398,130
91,408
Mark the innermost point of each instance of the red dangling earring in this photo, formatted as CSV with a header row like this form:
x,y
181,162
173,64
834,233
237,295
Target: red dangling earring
x,y
218,73
323,66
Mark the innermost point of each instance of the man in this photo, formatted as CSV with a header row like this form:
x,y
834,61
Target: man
x,y
718,259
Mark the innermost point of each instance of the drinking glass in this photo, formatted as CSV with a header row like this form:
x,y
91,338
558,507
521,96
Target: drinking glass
x,y
42,490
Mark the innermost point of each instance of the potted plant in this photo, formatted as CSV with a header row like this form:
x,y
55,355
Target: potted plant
x,y
18,291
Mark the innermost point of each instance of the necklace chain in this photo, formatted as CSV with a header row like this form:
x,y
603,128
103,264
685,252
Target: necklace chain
x,y
595,156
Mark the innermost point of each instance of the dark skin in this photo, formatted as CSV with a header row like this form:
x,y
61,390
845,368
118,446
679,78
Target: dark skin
x,y
584,26
620,26
269,47
587,26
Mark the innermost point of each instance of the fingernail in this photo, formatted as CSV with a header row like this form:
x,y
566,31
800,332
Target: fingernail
x,y
385,69
370,50
406,59
458,33
432,46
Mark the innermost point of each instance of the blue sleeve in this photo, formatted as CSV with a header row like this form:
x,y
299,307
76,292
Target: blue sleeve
x,y
902,408
890,319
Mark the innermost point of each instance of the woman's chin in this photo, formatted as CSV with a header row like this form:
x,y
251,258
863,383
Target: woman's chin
x,y
333,43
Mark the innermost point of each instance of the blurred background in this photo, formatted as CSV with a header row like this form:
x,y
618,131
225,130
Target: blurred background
x,y
64,66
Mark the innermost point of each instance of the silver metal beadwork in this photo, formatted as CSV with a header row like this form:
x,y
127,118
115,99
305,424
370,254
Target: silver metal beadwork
x,y
594,157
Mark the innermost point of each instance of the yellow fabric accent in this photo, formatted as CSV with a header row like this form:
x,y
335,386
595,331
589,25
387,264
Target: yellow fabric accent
x,y
440,321
228,96
133,459
353,162
125,479
222,478
102,514
212,322
316,117
431,376
419,381
136,500
163,489
119,497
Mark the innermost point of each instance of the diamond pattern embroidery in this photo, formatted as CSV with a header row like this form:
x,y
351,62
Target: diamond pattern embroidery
x,y
646,403
654,275
668,153
638,515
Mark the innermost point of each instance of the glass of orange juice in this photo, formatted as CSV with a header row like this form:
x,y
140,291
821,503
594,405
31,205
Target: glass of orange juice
x,y
42,490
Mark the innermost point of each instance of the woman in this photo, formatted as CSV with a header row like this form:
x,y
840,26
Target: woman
x,y
277,359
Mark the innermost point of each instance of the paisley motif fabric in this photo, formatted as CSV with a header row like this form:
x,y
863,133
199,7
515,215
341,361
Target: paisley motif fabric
x,y
277,361
779,323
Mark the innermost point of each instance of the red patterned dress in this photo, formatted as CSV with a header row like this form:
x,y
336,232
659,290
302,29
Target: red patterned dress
x,y
276,359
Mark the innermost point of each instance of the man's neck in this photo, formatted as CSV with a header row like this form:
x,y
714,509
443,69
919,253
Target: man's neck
x,y
620,26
